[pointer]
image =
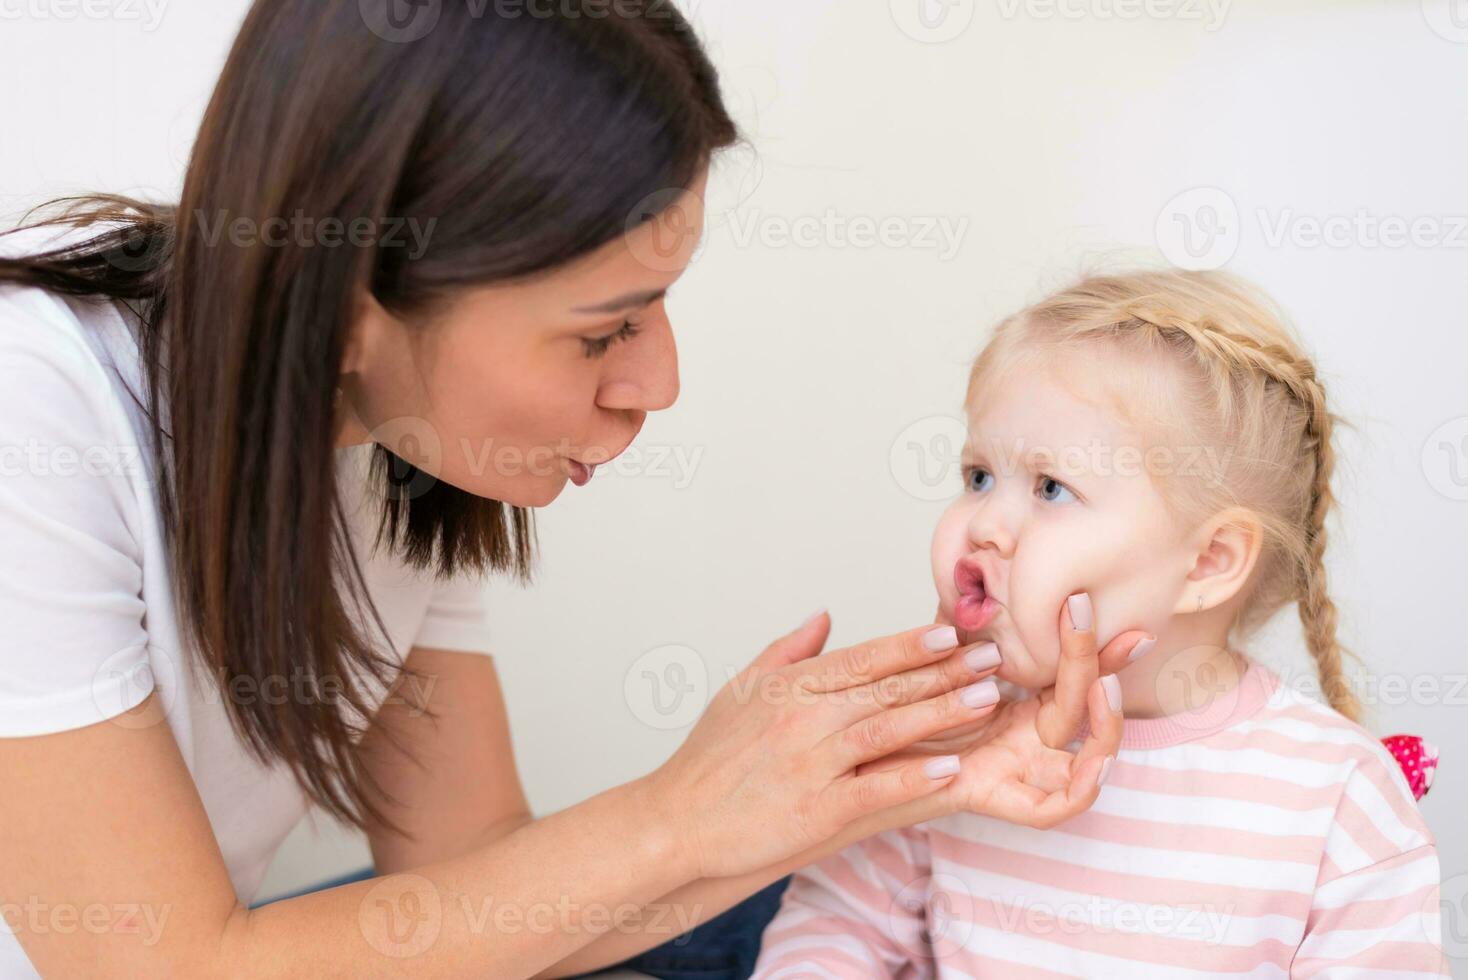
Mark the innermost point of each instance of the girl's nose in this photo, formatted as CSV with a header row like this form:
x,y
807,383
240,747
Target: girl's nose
x,y
991,527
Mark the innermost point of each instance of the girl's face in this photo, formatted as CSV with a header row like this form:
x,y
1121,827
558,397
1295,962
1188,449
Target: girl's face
x,y
1057,500
522,387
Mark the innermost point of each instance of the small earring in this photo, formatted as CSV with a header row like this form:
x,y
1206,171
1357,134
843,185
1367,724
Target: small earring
x,y
1200,602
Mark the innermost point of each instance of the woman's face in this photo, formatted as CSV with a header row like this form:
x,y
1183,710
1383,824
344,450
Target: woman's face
x,y
520,388
1057,500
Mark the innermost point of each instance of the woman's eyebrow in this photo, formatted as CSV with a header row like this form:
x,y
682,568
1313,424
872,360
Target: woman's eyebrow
x,y
627,302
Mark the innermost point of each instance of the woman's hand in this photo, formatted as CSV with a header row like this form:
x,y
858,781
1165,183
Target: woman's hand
x,y
1015,762
771,769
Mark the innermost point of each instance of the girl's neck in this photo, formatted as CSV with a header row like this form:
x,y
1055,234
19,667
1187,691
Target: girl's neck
x,y
1190,666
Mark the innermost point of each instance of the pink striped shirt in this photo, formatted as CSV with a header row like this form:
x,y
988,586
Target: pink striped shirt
x,y
1262,836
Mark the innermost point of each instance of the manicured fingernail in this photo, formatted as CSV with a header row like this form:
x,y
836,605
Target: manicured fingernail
x,y
982,657
1112,687
940,639
941,767
1105,770
1142,648
980,695
817,616
1080,610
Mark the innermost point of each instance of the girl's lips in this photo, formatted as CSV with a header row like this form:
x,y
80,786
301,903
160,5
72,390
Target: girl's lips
x,y
975,608
974,612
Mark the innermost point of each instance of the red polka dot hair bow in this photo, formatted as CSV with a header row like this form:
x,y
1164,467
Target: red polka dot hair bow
x,y
1417,758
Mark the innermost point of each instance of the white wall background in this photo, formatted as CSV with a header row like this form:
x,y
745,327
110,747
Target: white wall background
x,y
1050,136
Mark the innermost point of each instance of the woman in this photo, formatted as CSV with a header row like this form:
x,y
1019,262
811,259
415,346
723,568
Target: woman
x,y
414,285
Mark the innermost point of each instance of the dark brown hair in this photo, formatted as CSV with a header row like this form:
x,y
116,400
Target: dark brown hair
x,y
523,137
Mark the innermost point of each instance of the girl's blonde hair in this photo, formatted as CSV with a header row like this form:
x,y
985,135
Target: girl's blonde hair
x,y
1210,364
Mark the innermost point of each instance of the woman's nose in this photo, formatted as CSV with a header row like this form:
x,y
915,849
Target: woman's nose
x,y
644,375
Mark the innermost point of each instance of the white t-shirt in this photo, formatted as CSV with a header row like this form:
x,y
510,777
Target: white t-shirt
x,y
85,596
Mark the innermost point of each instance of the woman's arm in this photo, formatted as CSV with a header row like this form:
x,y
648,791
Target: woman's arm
x,y
1012,769
461,790
107,817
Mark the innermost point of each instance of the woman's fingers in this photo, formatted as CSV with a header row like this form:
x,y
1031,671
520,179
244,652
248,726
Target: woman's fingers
x,y
889,731
1060,715
876,660
802,643
1078,669
866,794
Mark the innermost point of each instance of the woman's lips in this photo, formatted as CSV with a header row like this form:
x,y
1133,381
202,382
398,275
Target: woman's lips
x,y
975,608
580,472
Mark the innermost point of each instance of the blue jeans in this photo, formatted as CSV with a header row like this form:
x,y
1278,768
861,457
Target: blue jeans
x,y
723,948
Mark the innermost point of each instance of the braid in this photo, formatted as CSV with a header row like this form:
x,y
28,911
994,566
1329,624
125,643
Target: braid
x,y
1274,361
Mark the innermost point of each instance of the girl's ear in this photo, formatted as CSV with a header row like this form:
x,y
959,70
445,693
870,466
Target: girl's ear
x,y
1227,549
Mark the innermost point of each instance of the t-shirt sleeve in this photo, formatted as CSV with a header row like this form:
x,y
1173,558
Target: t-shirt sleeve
x,y
76,649
1376,909
458,616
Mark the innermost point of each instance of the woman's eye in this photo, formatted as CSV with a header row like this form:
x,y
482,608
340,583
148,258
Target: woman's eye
x,y
1053,490
597,346
974,478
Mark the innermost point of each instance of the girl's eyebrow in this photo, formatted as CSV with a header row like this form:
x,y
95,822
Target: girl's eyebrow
x,y
627,302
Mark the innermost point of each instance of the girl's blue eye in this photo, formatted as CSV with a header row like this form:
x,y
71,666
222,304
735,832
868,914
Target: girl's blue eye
x,y
974,477
1049,486
597,346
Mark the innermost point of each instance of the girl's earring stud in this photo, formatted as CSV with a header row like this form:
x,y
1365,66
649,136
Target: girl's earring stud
x,y
1200,602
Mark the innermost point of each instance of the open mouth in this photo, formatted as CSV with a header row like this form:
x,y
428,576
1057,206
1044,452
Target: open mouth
x,y
975,608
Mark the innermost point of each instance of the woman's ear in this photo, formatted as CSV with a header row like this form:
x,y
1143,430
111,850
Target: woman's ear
x,y
368,318
1227,549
